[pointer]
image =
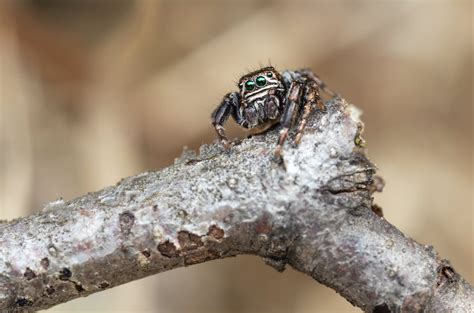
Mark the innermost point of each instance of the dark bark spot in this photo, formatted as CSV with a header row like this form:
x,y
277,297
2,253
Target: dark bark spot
x,y
155,208
192,162
29,274
449,273
65,274
195,258
377,209
263,225
189,241
78,286
146,253
44,263
216,232
446,274
168,249
21,302
50,290
127,219
381,308
278,264
104,285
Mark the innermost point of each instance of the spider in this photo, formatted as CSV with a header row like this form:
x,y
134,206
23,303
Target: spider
x,y
267,98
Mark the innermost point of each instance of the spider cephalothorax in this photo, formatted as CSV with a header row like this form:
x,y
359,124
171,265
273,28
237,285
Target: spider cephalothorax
x,y
267,97
260,97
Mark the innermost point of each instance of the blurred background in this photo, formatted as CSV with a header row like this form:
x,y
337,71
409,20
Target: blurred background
x,y
93,91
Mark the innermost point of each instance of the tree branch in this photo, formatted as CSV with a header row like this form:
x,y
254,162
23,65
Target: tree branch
x,y
312,212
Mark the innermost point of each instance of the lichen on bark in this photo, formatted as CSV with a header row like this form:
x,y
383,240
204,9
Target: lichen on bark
x,y
313,212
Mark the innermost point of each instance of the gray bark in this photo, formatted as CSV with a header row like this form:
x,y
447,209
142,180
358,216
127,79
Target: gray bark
x,y
312,212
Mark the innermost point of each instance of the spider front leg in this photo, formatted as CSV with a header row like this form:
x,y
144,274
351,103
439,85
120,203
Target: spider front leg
x,y
220,115
292,103
315,78
311,100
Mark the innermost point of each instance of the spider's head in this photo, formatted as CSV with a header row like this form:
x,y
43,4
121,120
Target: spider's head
x,y
258,84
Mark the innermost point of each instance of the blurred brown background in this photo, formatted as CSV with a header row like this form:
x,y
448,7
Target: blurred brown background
x,y
93,91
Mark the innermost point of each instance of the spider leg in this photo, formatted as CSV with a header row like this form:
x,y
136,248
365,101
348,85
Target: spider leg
x,y
311,100
221,114
238,117
313,77
292,98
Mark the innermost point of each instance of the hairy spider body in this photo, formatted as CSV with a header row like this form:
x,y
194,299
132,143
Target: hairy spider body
x,y
267,97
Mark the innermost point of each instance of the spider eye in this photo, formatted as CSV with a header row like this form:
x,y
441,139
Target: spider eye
x,y
249,85
261,81
269,74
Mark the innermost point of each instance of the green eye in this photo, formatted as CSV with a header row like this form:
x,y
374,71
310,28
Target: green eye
x,y
249,85
269,74
261,81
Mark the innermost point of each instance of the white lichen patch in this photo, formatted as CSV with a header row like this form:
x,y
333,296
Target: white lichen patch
x,y
54,205
320,150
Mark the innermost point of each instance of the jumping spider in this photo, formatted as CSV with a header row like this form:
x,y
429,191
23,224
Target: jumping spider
x,y
267,98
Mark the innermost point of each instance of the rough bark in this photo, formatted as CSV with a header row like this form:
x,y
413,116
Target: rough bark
x,y
313,212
